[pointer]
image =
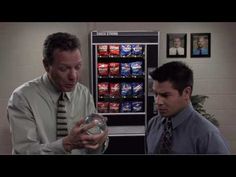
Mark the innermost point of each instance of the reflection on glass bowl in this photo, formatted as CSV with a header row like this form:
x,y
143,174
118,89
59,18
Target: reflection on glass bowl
x,y
100,123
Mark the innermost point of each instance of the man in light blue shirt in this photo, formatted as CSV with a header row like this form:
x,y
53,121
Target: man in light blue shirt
x,y
32,107
189,132
201,49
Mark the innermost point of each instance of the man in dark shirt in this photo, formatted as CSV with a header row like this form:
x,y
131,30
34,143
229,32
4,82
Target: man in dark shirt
x,y
178,128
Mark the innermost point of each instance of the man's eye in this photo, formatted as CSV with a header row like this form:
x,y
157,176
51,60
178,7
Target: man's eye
x,y
78,67
62,68
165,95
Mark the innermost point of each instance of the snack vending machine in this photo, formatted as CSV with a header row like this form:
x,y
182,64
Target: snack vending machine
x,y
120,61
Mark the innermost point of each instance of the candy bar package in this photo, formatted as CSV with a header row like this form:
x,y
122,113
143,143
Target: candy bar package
x,y
102,69
126,89
125,50
103,89
114,107
114,89
114,69
137,68
114,50
126,106
137,88
103,107
125,69
137,106
102,50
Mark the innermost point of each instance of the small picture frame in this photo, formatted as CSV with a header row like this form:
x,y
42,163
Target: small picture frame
x,y
200,45
176,45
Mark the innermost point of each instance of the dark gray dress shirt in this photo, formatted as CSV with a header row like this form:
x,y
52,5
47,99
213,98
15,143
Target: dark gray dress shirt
x,y
192,134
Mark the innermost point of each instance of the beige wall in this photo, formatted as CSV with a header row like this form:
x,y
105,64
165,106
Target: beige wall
x,y
21,60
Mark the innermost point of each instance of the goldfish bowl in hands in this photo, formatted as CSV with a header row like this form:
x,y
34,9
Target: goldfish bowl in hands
x,y
100,122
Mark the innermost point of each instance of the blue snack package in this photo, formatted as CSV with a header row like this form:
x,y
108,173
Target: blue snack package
x,y
137,88
126,89
125,69
137,68
137,50
126,106
125,50
137,106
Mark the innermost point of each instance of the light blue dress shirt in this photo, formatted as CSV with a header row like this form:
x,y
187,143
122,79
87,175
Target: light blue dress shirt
x,y
204,51
192,134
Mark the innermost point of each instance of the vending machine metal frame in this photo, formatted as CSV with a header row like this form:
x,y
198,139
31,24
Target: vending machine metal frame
x,y
127,124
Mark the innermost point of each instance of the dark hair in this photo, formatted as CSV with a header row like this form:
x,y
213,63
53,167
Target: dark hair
x,y
178,73
61,41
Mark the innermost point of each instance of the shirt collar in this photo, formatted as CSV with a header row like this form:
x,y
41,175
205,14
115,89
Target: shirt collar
x,y
180,117
53,92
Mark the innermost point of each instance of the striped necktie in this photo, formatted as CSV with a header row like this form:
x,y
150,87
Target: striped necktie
x,y
166,138
61,125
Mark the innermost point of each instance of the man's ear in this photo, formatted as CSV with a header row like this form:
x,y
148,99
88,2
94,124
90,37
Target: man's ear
x,y
46,65
187,92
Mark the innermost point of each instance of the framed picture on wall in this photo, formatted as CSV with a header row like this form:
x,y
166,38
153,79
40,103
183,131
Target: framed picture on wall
x,y
200,44
176,45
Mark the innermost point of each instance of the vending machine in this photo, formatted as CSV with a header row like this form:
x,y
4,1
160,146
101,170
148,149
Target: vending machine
x,y
120,62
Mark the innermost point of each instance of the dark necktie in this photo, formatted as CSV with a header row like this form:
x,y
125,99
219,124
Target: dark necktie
x,y
166,138
177,53
61,125
200,51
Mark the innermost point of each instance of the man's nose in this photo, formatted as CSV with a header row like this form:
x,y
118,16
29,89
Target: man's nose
x,y
159,100
72,74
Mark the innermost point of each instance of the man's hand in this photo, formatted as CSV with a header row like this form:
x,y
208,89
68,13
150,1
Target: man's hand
x,y
78,137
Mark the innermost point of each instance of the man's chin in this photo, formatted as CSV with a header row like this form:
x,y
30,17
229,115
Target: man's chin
x,y
164,114
66,89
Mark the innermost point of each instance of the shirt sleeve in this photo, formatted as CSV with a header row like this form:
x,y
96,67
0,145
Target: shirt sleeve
x,y
213,143
25,138
90,105
101,149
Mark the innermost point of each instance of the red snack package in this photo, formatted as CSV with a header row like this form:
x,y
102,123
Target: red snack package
x,y
114,107
114,89
114,50
102,69
102,50
103,89
114,69
103,107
